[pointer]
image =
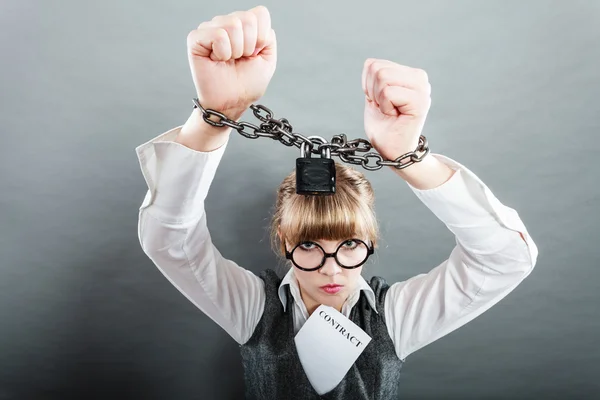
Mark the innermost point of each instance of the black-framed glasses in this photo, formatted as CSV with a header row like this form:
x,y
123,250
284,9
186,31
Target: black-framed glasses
x,y
310,256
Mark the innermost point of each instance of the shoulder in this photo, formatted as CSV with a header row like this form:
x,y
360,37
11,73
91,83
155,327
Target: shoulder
x,y
271,280
379,286
270,276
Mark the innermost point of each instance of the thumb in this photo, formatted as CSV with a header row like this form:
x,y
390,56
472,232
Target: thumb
x,y
395,99
269,50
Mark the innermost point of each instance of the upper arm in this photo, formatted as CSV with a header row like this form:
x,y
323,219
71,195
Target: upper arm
x,y
227,293
428,306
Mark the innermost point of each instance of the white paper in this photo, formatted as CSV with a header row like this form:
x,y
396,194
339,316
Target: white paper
x,y
328,344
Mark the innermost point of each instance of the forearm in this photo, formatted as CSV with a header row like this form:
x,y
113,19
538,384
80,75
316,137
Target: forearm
x,y
465,205
427,174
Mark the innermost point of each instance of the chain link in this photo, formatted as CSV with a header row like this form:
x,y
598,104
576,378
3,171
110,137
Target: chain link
x,y
281,130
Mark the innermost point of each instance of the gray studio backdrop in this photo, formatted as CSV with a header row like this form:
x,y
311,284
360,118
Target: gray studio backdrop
x,y
85,314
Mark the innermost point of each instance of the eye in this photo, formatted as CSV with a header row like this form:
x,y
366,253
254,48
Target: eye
x,y
353,244
307,245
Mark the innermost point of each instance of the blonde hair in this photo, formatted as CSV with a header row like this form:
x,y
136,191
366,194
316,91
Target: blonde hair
x,y
343,215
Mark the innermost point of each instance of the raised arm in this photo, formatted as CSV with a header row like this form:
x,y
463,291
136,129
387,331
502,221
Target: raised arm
x,y
232,59
493,254
173,232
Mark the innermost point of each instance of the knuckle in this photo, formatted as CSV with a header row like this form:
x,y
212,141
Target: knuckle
x,y
227,22
220,33
244,16
204,24
381,74
385,91
376,70
428,88
422,74
233,23
249,18
247,22
423,102
261,12
261,17
191,35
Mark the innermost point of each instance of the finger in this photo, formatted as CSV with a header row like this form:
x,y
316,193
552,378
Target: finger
x,y
234,28
391,97
378,80
264,36
399,99
390,76
221,47
209,40
363,79
416,77
370,78
379,70
270,48
399,75
249,30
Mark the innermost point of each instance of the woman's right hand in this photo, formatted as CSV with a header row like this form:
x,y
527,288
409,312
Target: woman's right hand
x,y
232,59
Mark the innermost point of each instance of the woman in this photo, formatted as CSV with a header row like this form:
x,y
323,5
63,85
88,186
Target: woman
x,y
232,59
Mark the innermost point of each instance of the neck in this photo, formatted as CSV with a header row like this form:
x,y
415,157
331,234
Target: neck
x,y
312,305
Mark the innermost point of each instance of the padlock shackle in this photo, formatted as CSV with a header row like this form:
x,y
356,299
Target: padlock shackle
x,y
326,152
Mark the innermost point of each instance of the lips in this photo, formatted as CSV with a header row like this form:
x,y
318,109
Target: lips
x,y
331,288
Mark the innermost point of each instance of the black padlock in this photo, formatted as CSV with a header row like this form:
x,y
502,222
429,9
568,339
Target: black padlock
x,y
315,176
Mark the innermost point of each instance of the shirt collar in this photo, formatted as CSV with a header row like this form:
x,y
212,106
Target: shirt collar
x,y
290,279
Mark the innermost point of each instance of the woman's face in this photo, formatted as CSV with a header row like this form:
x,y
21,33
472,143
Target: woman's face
x,y
312,282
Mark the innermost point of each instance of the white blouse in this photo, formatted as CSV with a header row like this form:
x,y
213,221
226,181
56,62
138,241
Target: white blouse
x,y
489,260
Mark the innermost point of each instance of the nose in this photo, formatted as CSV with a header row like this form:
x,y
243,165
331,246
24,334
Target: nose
x,y
331,267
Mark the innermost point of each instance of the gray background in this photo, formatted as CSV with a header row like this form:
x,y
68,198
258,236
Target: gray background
x,y
85,314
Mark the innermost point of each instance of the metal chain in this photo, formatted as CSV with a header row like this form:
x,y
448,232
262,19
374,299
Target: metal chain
x,y
280,129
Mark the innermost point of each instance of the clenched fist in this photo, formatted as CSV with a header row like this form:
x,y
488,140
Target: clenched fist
x,y
397,100
232,59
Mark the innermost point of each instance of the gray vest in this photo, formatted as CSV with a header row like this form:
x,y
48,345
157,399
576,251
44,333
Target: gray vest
x,y
273,371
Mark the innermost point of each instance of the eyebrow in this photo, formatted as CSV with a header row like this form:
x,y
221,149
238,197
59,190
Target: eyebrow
x,y
342,240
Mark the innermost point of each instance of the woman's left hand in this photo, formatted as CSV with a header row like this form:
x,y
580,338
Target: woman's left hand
x,y
397,100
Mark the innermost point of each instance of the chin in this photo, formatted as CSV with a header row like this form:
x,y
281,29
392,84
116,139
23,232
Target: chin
x,y
333,300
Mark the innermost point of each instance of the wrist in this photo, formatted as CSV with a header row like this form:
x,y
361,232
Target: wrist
x,y
233,113
199,135
197,120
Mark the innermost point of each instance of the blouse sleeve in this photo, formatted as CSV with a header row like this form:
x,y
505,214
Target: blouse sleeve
x,y
493,254
173,233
